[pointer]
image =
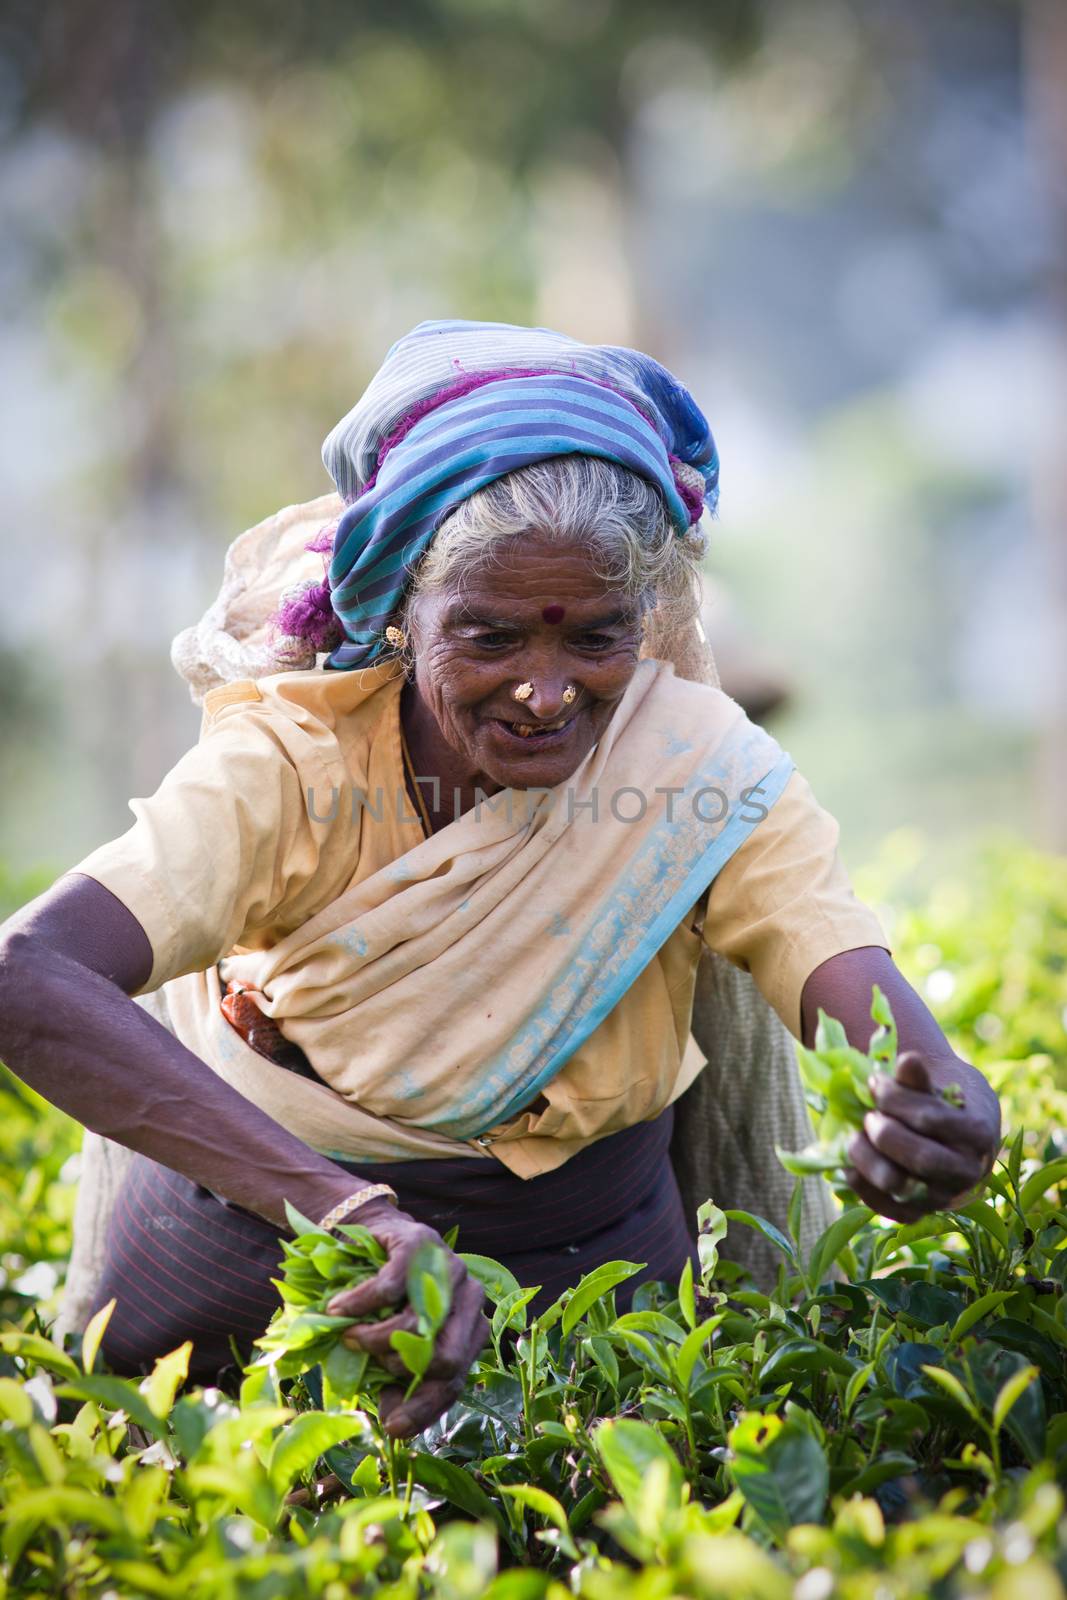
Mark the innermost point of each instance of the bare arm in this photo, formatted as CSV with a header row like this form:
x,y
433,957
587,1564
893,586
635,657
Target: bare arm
x,y
913,1134
68,964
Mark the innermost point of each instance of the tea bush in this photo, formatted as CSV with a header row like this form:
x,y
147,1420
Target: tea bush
x,y
888,1419
986,945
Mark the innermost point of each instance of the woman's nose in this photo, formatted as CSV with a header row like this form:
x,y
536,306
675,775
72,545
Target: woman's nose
x,y
546,702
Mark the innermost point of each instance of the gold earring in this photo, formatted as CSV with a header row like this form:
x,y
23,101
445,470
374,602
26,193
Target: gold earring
x,y
396,637
570,693
523,692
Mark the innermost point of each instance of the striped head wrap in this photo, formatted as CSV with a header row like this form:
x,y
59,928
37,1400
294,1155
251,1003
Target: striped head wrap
x,y
457,405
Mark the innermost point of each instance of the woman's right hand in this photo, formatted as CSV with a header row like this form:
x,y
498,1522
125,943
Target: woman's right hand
x,y
458,1343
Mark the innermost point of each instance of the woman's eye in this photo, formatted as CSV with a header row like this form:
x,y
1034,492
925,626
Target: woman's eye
x,y
492,641
594,641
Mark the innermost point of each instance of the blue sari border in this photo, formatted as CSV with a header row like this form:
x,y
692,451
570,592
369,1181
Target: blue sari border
x,y
700,876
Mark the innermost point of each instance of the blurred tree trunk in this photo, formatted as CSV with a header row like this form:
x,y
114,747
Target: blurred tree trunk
x,y
1045,23
103,67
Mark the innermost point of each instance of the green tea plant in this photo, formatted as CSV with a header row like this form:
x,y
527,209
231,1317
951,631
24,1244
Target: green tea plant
x,y
886,1418
716,1433
37,1170
836,1077
986,946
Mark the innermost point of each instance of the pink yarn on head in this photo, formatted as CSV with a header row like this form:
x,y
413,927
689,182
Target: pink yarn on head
x,y
323,540
310,615
306,612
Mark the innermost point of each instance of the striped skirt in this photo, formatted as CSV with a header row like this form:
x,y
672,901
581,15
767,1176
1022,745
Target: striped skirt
x,y
183,1264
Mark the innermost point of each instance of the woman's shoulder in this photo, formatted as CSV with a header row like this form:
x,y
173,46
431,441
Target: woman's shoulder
x,y
330,719
315,695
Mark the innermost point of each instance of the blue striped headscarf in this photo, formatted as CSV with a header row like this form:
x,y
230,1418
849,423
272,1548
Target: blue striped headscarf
x,y
510,397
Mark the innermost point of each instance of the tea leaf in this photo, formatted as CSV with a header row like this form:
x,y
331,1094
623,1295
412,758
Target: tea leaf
x,y
95,1329
1012,1391
457,1486
429,1286
686,1298
781,1470
415,1351
976,1311
42,1352
593,1286
539,1500
1045,1178
167,1377
304,1440
711,1231
833,1240
496,1280
116,1394
627,1449
952,1386
768,1230
690,1352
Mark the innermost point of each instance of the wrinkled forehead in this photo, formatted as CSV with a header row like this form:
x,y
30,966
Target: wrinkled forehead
x,y
530,579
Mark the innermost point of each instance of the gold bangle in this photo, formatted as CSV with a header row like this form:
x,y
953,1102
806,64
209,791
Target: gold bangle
x,y
371,1191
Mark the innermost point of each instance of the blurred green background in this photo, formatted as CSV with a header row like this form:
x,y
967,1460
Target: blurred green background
x,y
841,222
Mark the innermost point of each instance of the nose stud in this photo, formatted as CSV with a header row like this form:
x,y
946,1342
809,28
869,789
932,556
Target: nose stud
x,y
523,691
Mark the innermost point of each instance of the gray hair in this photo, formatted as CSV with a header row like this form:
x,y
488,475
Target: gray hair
x,y
576,499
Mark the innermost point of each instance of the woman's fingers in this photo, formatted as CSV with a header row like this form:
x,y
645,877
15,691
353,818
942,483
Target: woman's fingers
x,y
401,1418
912,1071
458,1341
457,1344
387,1288
914,1136
952,1170
463,1335
401,1235
876,1169
883,1185
884,1204
905,1099
374,1337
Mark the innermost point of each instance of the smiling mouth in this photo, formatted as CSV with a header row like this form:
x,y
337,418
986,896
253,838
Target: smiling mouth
x,y
536,730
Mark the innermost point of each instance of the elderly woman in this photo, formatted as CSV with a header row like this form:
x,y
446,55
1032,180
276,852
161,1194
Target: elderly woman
x,y
426,904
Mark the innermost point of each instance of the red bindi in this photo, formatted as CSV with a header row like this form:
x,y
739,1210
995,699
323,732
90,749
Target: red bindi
x,y
553,614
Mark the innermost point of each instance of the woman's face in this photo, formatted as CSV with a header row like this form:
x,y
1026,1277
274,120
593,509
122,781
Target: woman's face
x,y
542,616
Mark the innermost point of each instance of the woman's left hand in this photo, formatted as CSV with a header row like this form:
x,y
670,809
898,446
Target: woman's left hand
x,y
915,1137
